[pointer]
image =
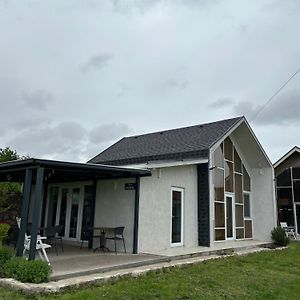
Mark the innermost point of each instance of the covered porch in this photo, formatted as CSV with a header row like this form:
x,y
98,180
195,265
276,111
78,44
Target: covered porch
x,y
67,194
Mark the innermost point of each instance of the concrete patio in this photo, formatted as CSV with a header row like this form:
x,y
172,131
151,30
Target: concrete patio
x,y
74,262
77,262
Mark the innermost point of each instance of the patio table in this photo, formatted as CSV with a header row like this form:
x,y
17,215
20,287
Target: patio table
x,y
103,231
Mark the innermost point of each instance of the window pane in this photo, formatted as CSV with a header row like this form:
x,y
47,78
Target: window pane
x,y
239,216
228,176
285,205
284,179
228,149
248,229
52,206
247,211
176,216
284,196
218,157
219,215
237,162
87,207
296,173
238,189
74,213
219,184
296,186
220,234
229,217
247,183
63,208
240,233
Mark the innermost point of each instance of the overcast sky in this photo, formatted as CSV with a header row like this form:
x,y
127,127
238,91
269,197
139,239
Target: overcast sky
x,y
75,76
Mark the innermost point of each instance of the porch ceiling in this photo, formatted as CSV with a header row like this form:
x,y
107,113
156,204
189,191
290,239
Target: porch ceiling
x,y
62,171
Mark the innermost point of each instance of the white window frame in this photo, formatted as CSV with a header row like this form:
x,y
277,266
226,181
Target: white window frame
x,y
181,190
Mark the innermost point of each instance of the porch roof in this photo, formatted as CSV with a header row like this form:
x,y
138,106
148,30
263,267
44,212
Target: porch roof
x,y
63,171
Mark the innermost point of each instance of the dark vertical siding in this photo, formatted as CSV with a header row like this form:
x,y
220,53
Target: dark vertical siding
x,y
203,205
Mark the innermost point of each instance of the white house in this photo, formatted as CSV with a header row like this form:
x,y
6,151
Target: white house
x,y
186,187
210,183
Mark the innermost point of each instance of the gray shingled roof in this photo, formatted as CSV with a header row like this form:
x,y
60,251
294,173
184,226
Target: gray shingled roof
x,y
188,142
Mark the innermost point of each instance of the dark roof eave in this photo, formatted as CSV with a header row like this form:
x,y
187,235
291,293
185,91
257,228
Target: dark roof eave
x,y
19,165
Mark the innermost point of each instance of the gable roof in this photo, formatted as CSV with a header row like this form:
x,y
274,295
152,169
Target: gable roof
x,y
286,156
188,142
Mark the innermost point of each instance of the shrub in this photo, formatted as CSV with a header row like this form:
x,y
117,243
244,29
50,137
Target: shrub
x,y
6,253
3,232
279,237
33,271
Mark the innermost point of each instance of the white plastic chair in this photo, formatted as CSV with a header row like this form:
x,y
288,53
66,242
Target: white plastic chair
x,y
289,231
40,246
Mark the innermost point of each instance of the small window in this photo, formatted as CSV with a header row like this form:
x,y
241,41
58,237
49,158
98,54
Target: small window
x,y
237,162
247,183
218,157
247,209
228,149
228,177
219,184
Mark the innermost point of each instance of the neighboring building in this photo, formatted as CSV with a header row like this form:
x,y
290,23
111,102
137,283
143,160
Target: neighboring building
x,y
210,183
287,172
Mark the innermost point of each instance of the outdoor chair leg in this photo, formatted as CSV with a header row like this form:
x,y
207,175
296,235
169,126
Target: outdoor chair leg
x,y
45,255
40,254
62,245
124,244
55,247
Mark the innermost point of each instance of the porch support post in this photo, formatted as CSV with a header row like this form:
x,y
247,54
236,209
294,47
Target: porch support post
x,y
24,212
38,195
136,216
93,204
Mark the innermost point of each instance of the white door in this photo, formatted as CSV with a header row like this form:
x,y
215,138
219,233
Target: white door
x,y
229,202
65,207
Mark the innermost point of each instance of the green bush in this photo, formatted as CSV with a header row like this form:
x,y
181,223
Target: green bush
x,y
33,271
6,253
279,237
3,232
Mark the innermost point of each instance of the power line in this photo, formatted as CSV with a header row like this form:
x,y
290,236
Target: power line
x,y
273,96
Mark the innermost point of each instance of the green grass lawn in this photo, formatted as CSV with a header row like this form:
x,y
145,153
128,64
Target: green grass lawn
x,y
267,275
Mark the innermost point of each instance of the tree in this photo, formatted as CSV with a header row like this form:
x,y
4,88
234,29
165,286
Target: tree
x,y
6,154
8,190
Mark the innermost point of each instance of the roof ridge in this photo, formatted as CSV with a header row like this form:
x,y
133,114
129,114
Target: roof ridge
x,y
180,128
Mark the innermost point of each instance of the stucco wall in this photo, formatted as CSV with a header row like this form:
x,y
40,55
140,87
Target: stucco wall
x,y
263,205
155,207
115,207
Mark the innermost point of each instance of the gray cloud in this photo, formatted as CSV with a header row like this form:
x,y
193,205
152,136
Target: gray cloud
x,y
39,99
108,132
222,103
283,110
175,83
66,140
97,62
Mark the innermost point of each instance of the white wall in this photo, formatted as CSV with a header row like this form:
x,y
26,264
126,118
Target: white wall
x,y
263,204
155,207
115,207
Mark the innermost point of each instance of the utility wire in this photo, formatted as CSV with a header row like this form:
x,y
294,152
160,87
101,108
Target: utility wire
x,y
273,96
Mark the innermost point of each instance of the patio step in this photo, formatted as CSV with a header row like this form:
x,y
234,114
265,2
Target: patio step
x,y
156,260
